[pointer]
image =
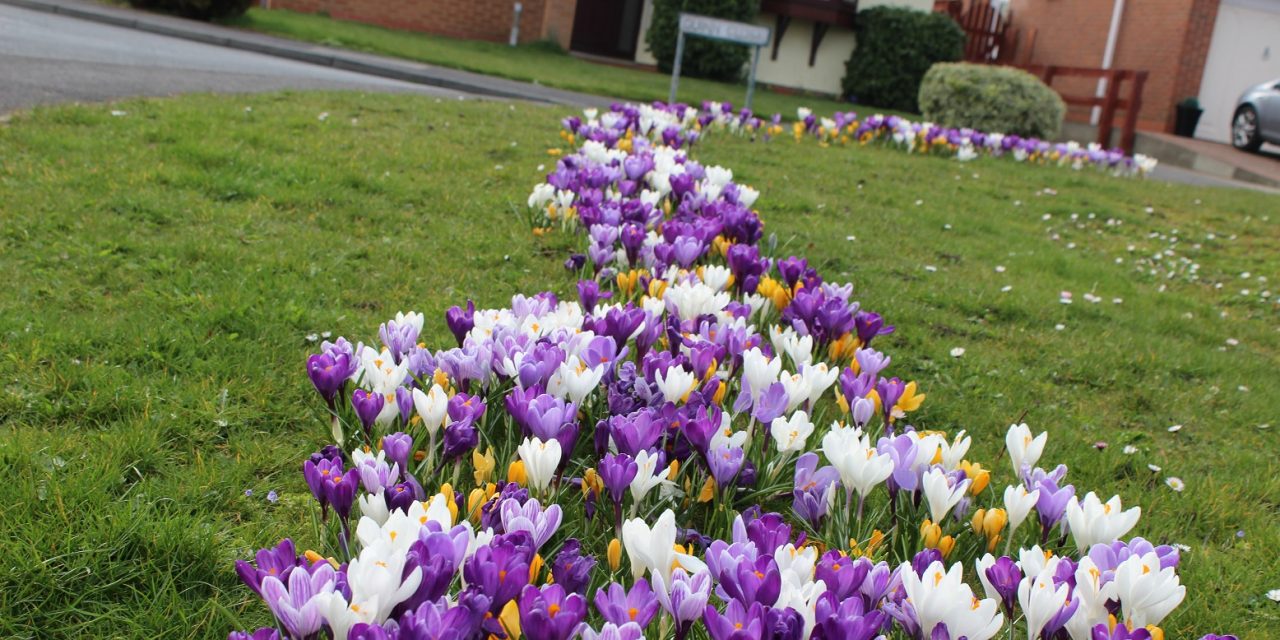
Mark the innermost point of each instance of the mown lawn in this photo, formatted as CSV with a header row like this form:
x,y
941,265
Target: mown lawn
x,y
168,268
539,63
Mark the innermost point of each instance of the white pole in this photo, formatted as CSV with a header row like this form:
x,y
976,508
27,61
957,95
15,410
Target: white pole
x,y
1108,55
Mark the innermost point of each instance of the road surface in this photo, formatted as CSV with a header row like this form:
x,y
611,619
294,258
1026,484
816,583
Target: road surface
x,y
47,58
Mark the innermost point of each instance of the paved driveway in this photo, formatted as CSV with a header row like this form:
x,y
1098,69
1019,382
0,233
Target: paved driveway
x,y
47,58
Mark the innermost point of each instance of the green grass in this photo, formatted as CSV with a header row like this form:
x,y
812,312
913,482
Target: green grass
x,y
537,62
165,268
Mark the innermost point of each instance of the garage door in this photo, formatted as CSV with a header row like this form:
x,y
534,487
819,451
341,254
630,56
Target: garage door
x,y
1245,51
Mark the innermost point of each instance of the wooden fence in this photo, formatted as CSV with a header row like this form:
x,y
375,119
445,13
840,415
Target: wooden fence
x,y
1110,102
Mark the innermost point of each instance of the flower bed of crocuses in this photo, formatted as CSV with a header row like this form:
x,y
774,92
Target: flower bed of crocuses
x,y
708,442
845,129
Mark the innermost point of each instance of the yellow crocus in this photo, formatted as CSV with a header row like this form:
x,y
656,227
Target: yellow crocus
x,y
614,554
516,473
484,464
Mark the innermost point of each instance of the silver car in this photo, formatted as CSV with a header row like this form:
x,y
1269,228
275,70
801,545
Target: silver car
x,y
1257,117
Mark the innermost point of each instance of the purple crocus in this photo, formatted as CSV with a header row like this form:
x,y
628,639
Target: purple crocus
x,y
461,322
500,569
849,621
341,492
759,581
619,606
725,463
1004,577
278,562
571,569
684,598
398,447
842,575
739,622
459,438
611,631
367,406
589,295
549,613
328,372
265,633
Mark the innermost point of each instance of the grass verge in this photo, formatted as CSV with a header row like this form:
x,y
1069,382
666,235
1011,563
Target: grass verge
x,y
165,284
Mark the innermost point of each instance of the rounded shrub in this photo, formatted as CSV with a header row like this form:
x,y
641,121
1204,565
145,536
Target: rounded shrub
x,y
197,9
896,46
703,58
994,99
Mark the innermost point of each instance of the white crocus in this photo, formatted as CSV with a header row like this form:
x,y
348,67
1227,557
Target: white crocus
x,y
1024,449
860,466
953,452
747,196
759,370
374,507
819,377
543,193
1093,596
796,565
716,277
1018,503
791,433
797,347
940,495
653,549
540,461
574,380
942,597
676,384
648,476
432,407
342,615
1146,592
1040,599
693,299
377,575
982,564
1092,521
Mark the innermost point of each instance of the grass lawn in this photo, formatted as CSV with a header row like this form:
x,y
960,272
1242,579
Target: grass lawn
x,y
532,63
166,267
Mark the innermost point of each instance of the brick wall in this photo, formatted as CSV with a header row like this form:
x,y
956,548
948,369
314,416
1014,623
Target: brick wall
x,y
1167,38
471,19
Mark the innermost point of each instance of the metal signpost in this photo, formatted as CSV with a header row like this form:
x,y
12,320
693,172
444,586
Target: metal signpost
x,y
718,29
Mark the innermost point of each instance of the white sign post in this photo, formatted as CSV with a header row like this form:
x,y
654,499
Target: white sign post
x,y
717,29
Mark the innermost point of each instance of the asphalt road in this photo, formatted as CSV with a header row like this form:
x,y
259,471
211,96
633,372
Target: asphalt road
x,y
47,58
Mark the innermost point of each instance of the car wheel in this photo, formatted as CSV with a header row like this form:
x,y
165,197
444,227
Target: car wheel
x,y
1244,129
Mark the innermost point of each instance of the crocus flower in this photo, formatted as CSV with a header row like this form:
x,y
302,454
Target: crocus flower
x,y
278,562
459,438
368,407
619,606
571,569
1093,522
683,597
328,372
398,446
549,613
739,622
540,523
265,633
540,461
940,596
1024,450
611,631
652,549
298,606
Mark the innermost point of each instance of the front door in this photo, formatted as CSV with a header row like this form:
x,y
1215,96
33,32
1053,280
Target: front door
x,y
607,27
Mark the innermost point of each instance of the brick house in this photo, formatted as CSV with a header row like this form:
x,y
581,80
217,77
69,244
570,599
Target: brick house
x,y
1210,49
812,41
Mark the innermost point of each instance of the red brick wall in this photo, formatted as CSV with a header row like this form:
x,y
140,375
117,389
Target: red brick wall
x,y
1167,38
471,19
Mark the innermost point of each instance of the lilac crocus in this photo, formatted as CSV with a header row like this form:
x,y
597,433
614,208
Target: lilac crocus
x,y
297,606
439,621
549,613
398,447
684,598
619,606
725,463
611,631
265,633
851,620
540,523
771,404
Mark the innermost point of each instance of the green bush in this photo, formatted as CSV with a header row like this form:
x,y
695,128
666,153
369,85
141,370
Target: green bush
x,y
998,99
703,58
198,9
896,46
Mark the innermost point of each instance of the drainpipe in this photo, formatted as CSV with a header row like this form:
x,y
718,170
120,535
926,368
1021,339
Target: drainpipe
x,y
1108,55
515,25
